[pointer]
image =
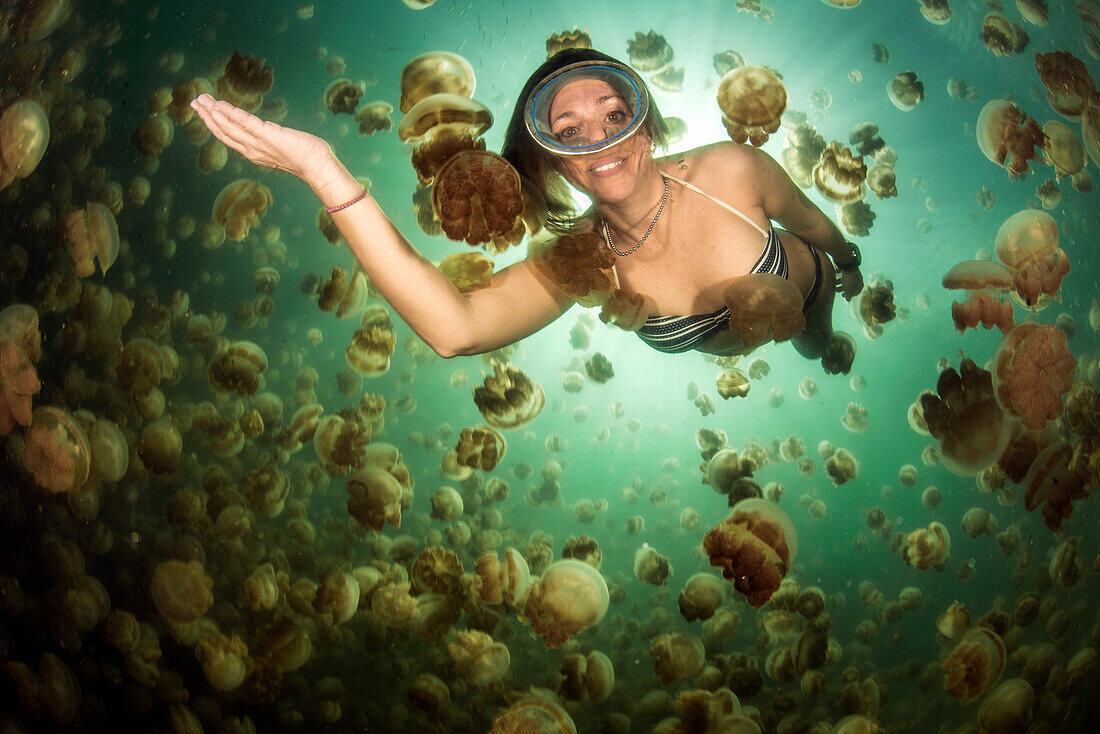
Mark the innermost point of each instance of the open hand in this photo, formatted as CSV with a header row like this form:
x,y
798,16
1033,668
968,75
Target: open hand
x,y
264,143
849,283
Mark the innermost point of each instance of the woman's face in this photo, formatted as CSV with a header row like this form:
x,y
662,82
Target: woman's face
x,y
588,111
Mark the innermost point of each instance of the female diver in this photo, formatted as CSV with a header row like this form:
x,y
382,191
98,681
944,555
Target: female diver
x,y
681,227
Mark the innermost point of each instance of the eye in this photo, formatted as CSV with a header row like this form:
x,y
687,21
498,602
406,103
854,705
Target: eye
x,y
616,116
567,133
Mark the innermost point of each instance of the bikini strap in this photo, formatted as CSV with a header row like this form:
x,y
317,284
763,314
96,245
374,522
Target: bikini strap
x,y
719,202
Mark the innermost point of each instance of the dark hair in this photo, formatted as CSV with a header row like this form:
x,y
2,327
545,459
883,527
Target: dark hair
x,y
536,164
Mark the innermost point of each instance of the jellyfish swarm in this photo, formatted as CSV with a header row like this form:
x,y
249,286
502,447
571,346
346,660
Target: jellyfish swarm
x,y
92,234
1008,137
477,198
24,136
975,665
981,279
752,100
1032,370
1027,243
764,307
972,429
568,598
754,547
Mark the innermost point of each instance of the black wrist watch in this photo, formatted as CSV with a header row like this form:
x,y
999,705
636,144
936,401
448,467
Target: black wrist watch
x,y
857,259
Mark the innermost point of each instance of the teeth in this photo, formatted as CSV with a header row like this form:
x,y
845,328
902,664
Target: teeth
x,y
608,166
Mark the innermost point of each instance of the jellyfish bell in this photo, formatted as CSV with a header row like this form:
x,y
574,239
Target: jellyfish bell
x,y
56,451
24,136
432,73
1007,136
752,100
93,235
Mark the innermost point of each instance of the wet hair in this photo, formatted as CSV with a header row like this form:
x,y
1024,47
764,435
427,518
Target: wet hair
x,y
538,165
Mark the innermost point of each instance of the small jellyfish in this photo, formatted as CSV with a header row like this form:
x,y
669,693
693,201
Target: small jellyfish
x,y
905,91
648,51
752,99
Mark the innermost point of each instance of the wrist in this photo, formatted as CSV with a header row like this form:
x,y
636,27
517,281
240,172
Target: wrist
x,y
852,262
330,181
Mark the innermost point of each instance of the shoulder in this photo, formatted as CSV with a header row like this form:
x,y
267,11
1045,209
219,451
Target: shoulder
x,y
716,162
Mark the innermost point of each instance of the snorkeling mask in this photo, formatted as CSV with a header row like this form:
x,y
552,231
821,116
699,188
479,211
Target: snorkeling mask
x,y
622,79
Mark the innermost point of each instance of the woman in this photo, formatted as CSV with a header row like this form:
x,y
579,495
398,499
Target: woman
x,y
681,227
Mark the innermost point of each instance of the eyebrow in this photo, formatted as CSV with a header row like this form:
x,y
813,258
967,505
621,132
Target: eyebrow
x,y
599,101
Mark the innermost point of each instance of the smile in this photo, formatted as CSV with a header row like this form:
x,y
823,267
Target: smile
x,y
608,166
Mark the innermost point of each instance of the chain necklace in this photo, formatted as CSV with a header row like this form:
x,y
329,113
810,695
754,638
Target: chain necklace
x,y
607,232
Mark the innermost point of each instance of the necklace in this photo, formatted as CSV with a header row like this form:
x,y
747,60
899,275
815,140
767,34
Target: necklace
x,y
607,232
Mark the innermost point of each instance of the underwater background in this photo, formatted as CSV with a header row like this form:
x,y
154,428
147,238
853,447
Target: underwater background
x,y
84,637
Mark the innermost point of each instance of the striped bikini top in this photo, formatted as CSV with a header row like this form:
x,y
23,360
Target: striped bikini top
x,y
673,334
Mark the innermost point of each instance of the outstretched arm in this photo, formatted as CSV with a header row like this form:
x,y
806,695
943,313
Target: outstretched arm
x,y
518,301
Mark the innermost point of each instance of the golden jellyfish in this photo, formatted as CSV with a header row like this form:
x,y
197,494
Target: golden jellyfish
x,y
160,447
972,430
568,598
238,368
24,136
508,398
1067,81
842,467
671,79
342,96
434,73
441,126
1054,481
1027,243
752,99
882,180
1008,137
648,51
467,271
239,207
340,444
1003,37
534,713
244,81
224,660
154,135
394,606
732,383
677,656
975,665
927,547
650,567
954,622
764,308
936,12
931,497
876,307
56,451
1032,370
18,384
110,454
181,591
374,498
855,418
1090,129
754,547
702,594
479,659
1008,708
504,581
92,235
726,467
344,295
481,447
905,90
982,280
477,197
374,117
370,350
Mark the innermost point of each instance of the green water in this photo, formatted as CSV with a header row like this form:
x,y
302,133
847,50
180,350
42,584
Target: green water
x,y
640,427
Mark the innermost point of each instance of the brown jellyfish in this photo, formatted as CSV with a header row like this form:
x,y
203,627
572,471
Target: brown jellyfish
x,y
927,547
970,426
342,96
1067,81
468,271
433,73
732,383
558,42
670,79
239,207
1003,37
1032,370
1008,137
92,235
802,153
509,399
752,99
24,136
477,198
754,547
876,307
238,368
905,91
1007,708
882,180
764,308
975,665
981,279
374,117
839,175
442,126
581,265
677,656
936,12
370,350
1054,482
244,81
1090,129
648,51
1027,243
1063,150
481,447
56,450
842,467
568,598
374,498
701,596
1049,194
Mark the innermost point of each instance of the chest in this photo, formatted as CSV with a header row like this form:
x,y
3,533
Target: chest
x,y
694,250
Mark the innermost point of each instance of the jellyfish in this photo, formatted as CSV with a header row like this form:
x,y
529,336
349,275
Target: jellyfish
x,y
24,136
434,73
374,117
441,126
855,418
650,567
648,51
842,467
1008,137
1003,37
55,450
181,591
481,447
238,368
981,279
1033,369
966,419
752,99
509,399
701,596
534,713
876,307
754,547
581,265
905,91
1027,242
342,96
244,81
803,149
568,598
558,42
18,383
764,307
478,659
239,207
160,447
882,180
370,350
839,175
477,198
1067,81
374,498
677,656
1063,150
1053,482
1007,708
936,12
927,547
975,665
93,235
504,581
598,368
1090,130
726,467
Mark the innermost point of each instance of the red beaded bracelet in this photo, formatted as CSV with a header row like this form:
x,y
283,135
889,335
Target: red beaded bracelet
x,y
346,204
